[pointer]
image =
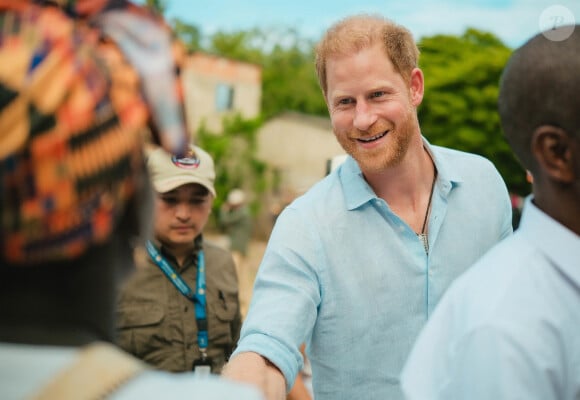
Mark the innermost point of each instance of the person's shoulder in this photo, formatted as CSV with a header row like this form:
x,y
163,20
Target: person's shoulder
x,y
320,193
145,274
215,250
469,169
210,245
324,201
494,277
504,258
159,384
455,156
506,293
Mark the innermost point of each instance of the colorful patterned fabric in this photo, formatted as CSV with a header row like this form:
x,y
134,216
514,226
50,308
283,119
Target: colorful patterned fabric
x,y
71,120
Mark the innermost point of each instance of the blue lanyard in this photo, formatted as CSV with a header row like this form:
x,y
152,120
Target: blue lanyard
x,y
197,297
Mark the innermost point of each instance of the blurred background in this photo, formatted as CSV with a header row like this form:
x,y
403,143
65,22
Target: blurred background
x,y
253,102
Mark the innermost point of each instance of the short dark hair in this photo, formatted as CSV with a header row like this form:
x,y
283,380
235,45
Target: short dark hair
x,y
540,85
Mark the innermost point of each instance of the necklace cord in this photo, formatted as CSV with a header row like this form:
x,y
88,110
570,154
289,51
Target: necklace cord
x,y
429,203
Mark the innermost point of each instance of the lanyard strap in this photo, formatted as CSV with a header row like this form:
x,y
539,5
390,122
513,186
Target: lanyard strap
x,y
197,297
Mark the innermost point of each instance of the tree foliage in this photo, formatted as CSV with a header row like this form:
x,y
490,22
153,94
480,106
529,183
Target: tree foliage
x,y
459,109
288,76
159,6
234,152
290,83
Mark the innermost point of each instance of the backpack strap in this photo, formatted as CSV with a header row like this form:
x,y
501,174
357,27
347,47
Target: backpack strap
x,y
99,370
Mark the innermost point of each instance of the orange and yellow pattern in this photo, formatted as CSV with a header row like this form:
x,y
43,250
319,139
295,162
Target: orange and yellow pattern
x,y
71,122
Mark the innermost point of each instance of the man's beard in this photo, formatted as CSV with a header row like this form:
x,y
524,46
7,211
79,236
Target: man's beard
x,y
389,154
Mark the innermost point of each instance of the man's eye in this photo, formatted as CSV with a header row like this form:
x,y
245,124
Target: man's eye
x,y
169,200
377,94
197,201
343,102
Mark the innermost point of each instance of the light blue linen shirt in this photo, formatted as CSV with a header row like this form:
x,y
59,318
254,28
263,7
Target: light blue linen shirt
x,y
510,327
347,276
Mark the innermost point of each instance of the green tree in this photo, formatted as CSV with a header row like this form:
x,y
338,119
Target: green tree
x,y
189,34
288,75
290,83
159,6
246,46
460,105
234,151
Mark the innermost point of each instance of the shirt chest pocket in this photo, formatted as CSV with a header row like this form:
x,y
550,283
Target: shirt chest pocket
x,y
141,329
221,315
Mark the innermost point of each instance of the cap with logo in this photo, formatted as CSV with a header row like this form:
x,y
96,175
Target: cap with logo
x,y
168,171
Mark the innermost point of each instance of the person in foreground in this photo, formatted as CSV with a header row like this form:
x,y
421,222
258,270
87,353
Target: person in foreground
x,y
75,197
355,266
508,328
180,310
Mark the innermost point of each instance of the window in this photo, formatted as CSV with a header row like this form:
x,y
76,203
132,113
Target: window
x,y
224,98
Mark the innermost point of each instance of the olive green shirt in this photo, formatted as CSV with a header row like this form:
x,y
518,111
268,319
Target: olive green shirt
x,y
157,324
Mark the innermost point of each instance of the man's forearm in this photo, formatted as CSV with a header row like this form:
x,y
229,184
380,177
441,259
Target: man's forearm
x,y
254,369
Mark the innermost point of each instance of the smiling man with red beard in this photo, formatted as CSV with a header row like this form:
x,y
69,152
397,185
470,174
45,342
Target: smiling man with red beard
x,y
180,310
356,266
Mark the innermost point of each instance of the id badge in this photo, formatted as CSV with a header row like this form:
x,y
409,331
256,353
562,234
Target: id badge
x,y
202,366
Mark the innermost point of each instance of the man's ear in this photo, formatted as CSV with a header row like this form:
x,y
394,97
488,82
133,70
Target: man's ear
x,y
554,152
416,86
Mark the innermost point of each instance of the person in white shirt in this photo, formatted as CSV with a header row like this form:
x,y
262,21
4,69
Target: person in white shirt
x,y
508,328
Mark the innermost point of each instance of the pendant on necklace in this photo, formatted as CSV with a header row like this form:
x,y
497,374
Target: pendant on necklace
x,y
425,240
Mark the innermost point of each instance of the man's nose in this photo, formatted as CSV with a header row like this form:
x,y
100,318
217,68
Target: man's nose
x,y
183,210
364,116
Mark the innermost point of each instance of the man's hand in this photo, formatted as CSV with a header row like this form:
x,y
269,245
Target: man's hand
x,y
254,369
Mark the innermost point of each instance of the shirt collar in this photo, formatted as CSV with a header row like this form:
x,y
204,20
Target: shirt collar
x,y
557,243
358,192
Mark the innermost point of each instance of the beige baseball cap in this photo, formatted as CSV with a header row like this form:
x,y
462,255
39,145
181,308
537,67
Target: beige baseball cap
x,y
169,172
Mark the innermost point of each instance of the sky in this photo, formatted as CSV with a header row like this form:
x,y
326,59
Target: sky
x,y
513,21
